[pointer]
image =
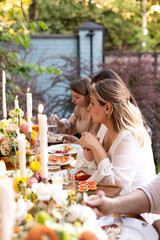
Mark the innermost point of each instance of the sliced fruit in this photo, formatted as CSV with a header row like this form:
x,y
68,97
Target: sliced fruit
x,y
83,188
92,183
92,187
83,182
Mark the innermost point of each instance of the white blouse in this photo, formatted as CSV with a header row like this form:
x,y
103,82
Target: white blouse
x,y
128,165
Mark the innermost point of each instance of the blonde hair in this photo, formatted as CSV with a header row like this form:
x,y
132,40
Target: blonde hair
x,y
123,113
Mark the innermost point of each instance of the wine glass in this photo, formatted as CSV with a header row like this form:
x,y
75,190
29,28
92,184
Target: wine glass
x,y
52,129
69,185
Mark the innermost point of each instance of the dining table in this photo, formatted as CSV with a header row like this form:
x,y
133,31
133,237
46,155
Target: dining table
x,y
110,190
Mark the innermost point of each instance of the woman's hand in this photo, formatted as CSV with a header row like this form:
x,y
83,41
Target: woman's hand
x,y
70,139
88,140
102,203
54,119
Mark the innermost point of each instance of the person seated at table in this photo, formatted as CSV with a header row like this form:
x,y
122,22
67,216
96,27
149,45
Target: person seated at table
x,y
125,156
102,75
80,120
146,198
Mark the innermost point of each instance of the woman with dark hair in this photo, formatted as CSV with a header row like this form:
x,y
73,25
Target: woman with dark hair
x,y
80,120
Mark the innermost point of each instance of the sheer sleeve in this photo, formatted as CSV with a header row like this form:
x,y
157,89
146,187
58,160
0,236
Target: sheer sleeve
x,y
122,165
125,162
68,126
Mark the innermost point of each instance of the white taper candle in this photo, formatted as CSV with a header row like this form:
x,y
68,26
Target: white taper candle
x,y
4,94
16,103
42,119
22,154
7,207
29,110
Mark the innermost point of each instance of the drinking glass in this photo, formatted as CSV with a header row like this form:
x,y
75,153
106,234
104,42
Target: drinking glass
x,y
54,165
69,185
52,129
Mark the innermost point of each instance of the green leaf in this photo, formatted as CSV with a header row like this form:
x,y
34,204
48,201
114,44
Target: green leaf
x,y
43,25
34,26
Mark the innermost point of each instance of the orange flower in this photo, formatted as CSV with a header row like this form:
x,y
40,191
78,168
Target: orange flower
x,y
38,232
88,235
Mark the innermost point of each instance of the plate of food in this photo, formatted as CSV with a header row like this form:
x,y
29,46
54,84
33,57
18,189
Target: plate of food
x,y
55,138
127,228
64,160
67,149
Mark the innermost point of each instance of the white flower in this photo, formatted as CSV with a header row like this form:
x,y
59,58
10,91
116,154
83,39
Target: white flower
x,y
21,209
4,124
64,227
16,112
47,191
82,213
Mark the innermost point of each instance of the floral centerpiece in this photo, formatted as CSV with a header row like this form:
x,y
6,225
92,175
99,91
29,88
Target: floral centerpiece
x,y
9,129
51,217
44,211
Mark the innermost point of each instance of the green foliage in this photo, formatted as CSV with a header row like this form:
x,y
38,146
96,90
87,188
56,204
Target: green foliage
x,y
14,39
122,20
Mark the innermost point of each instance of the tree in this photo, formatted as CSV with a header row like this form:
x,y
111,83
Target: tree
x,y
122,20
14,39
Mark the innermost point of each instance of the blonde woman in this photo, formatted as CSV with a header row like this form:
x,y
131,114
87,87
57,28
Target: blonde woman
x,y
125,156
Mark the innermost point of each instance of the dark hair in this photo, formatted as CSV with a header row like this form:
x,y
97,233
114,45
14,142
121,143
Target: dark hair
x,y
81,86
110,74
104,74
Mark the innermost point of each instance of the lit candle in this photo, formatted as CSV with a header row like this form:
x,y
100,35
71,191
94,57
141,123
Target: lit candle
x,y
42,120
4,94
29,110
16,103
7,208
22,154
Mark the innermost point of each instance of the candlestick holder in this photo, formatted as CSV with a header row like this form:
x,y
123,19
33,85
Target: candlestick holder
x,y
44,180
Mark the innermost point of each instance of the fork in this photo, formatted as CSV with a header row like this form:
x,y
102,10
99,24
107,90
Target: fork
x,y
120,219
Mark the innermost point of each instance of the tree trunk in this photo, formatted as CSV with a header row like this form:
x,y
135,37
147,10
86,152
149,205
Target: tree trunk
x,y
33,10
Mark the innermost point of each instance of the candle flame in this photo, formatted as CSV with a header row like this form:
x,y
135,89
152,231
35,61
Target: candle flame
x,y
2,169
28,90
40,108
16,97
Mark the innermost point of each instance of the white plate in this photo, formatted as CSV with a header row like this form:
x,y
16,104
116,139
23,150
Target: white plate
x,y
132,229
62,164
56,138
54,148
